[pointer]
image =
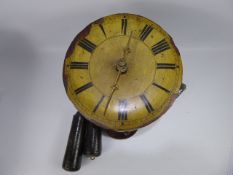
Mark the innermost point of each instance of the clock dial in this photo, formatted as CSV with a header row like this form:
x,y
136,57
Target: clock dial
x,y
122,72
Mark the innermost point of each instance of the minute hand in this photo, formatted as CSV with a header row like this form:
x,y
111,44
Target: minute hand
x,y
127,48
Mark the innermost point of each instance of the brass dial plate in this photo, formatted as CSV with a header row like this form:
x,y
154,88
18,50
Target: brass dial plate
x,y
142,93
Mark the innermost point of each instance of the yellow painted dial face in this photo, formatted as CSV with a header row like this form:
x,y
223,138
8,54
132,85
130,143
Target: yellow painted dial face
x,y
122,72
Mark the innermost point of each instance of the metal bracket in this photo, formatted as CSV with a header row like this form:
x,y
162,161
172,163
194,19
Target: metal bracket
x,y
182,88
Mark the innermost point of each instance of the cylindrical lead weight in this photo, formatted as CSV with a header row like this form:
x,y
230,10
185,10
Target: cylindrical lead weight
x,y
92,141
73,155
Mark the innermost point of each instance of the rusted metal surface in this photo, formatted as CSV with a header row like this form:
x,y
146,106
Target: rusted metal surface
x,y
120,135
82,35
176,49
71,48
65,77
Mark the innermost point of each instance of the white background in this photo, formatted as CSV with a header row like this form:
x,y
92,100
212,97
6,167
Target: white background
x,y
194,137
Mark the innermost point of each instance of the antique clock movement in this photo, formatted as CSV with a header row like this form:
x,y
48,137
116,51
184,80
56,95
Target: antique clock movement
x,y
121,72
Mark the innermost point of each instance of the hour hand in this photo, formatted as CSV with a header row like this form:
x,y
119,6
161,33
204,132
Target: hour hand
x,y
114,88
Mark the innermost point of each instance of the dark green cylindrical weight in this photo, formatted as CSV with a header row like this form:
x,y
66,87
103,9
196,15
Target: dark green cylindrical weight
x,y
73,155
92,141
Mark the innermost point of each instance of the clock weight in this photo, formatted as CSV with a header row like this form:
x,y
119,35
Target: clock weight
x,y
84,138
92,141
73,155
